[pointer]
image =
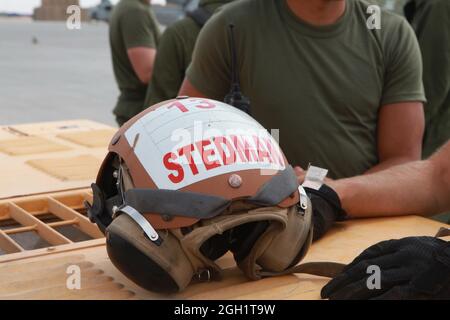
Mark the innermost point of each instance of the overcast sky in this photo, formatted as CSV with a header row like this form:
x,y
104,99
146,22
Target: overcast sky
x,y
26,6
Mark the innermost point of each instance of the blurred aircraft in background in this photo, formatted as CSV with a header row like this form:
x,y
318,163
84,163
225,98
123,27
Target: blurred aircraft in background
x,y
167,12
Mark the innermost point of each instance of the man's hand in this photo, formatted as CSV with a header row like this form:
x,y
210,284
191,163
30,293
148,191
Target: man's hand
x,y
411,268
187,89
327,209
300,174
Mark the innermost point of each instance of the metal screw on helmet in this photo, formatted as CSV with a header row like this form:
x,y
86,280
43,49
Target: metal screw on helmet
x,y
115,210
204,275
235,181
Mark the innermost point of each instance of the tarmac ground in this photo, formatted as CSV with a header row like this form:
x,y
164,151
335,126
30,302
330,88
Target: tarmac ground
x,y
49,73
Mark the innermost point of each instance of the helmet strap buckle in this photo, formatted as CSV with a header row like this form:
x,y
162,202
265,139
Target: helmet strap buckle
x,y
303,202
146,227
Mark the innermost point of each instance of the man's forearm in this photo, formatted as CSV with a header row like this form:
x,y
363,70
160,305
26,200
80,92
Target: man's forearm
x,y
412,188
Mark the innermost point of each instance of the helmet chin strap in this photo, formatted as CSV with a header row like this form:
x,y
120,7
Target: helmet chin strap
x,y
322,269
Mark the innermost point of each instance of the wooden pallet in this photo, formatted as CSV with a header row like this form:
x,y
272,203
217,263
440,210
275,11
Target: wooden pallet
x,y
51,156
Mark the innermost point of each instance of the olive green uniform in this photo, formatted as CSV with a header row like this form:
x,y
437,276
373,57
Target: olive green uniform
x,y
322,87
174,55
431,21
132,24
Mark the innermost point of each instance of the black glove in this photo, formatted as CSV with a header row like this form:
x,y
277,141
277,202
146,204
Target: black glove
x,y
326,207
411,268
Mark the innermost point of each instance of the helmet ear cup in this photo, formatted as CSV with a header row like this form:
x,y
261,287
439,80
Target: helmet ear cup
x,y
164,268
245,237
289,246
138,267
216,246
304,250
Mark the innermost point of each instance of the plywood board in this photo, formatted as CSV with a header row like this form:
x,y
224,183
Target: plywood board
x,y
342,244
19,178
90,139
56,127
29,145
48,280
76,168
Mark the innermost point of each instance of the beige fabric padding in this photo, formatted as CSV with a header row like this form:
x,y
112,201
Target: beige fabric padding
x,y
286,245
280,244
30,145
169,255
288,235
204,230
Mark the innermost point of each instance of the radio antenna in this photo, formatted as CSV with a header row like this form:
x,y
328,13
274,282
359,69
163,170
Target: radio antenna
x,y
235,96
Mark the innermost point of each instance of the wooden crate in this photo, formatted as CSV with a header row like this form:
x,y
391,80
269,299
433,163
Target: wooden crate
x,y
37,225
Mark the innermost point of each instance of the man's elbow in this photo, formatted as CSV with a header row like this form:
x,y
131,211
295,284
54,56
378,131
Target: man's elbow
x,y
414,153
401,129
187,89
440,168
142,60
144,76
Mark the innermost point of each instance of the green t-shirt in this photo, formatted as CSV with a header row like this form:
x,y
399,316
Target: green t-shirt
x,y
174,56
431,21
132,24
322,87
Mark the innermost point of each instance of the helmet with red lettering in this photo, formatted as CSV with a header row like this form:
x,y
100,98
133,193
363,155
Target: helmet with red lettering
x,y
189,179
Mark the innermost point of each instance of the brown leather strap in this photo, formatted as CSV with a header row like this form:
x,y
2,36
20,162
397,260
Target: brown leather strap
x,y
323,269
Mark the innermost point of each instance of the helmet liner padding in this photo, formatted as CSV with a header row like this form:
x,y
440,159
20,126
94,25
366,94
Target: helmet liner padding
x,y
247,235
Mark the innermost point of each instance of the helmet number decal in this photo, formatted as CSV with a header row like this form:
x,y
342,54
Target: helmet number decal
x,y
203,104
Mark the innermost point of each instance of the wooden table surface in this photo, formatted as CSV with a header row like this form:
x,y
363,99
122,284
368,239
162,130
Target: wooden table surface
x,y
44,276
